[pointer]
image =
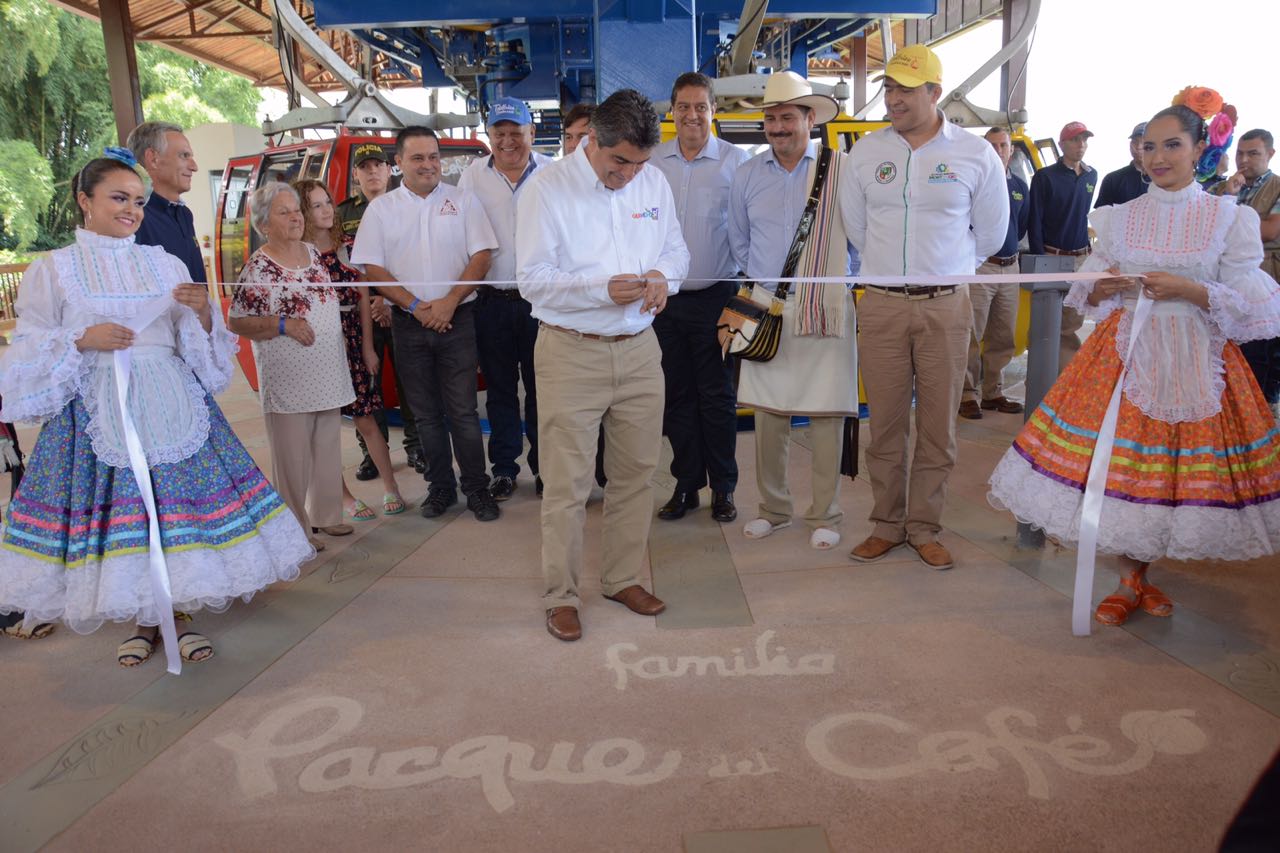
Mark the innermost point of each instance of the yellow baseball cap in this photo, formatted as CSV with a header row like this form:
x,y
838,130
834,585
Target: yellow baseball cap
x,y
913,66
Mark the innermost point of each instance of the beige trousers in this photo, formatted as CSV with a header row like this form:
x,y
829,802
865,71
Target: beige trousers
x,y
581,384
995,312
1072,320
906,346
773,444
306,464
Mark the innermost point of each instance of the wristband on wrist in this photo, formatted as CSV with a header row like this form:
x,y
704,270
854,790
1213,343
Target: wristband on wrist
x,y
414,304
280,328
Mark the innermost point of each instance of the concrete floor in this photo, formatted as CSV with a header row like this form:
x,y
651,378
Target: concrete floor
x,y
405,695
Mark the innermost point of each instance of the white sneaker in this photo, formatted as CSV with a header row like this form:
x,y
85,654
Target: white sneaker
x,y
824,539
762,527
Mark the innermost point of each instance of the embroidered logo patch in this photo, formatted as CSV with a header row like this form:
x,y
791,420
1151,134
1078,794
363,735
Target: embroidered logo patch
x,y
647,213
942,174
448,209
1089,188
1017,196
886,172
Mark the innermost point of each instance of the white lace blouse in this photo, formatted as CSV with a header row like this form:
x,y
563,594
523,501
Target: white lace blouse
x,y
175,363
1176,373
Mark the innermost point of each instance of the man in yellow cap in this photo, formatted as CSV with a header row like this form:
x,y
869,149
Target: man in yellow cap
x,y
922,197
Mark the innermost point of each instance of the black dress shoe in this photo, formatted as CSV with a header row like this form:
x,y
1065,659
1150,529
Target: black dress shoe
x,y
537,484
722,508
679,504
438,502
367,470
417,461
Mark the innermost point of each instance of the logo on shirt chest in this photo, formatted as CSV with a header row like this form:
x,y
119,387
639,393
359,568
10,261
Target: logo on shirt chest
x,y
448,208
647,213
1089,188
1015,195
886,172
942,174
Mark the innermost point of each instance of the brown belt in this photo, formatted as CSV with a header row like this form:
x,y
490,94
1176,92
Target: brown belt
x,y
1075,253
608,339
913,292
1002,262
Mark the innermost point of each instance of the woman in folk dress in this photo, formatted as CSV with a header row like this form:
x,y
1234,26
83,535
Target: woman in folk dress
x,y
76,544
1195,470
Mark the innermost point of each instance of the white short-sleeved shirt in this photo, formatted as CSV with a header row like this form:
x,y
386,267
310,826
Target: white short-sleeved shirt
x,y
421,240
498,196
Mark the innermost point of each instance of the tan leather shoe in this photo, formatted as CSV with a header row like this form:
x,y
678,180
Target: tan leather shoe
x,y
934,555
872,549
563,624
335,530
1003,404
638,600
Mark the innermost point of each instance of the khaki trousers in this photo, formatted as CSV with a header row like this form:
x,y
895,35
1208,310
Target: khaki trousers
x,y
306,464
995,312
773,444
1072,320
918,345
581,384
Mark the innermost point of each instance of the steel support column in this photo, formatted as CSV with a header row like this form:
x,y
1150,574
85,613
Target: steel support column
x,y
1013,74
122,65
858,68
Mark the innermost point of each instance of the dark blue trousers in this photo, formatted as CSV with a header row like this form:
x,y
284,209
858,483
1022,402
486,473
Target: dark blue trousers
x,y
505,335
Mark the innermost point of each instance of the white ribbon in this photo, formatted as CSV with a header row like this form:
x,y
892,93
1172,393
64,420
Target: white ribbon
x,y
876,280
1095,488
159,570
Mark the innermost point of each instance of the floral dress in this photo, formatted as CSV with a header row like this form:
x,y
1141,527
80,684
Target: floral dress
x,y
368,397
76,543
292,378
1195,468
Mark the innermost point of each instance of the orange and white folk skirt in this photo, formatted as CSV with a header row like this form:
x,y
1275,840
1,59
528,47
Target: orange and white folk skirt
x,y
1198,490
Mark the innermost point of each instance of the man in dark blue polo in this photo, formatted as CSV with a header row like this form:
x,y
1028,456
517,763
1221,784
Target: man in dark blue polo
x,y
1129,181
163,150
1058,217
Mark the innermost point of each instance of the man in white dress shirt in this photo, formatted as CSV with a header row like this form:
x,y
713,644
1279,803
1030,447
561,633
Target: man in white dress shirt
x,y
922,197
598,251
505,329
701,418
421,232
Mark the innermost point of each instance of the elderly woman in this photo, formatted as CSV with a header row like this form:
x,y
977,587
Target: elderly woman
x,y
287,306
322,231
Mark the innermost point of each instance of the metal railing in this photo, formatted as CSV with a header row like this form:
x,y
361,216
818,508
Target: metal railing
x,y
10,278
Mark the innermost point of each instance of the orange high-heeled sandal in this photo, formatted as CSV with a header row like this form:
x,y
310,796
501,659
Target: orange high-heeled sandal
x,y
1115,608
1155,602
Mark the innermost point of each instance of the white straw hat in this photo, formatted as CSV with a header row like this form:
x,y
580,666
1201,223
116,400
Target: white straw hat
x,y
789,88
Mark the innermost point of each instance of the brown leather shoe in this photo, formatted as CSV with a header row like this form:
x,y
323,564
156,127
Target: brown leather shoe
x,y
335,530
934,555
1002,404
563,624
638,600
969,409
872,549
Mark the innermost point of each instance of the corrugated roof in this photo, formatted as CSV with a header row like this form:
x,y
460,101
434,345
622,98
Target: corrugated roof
x,y
236,35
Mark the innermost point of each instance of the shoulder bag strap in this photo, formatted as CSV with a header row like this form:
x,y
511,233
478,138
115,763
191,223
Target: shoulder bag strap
x,y
805,227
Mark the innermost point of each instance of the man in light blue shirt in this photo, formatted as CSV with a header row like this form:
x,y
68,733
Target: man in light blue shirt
x,y
505,328
701,409
813,372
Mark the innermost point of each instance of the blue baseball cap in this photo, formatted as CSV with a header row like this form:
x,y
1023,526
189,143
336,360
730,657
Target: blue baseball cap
x,y
509,109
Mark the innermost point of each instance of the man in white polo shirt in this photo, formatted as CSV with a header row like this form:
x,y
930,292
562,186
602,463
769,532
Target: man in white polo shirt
x,y
598,251
421,232
922,197
505,329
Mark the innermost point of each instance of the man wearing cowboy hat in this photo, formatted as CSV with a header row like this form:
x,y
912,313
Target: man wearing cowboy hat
x,y
812,372
922,197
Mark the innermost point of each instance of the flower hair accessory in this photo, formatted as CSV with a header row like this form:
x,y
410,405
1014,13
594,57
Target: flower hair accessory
x,y
1220,118
124,155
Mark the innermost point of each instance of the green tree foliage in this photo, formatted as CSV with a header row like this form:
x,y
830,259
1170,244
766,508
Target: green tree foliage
x,y
26,187
54,96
